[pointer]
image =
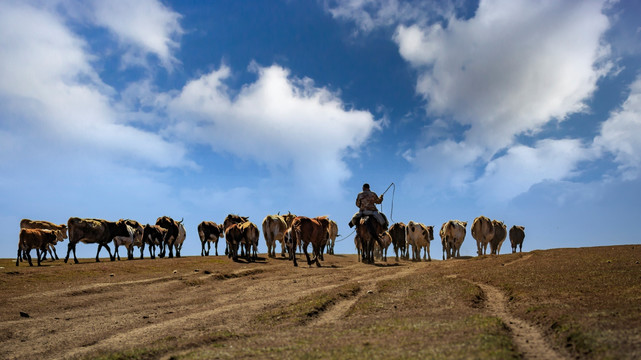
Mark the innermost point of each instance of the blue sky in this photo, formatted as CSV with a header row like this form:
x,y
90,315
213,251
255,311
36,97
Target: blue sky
x,y
524,111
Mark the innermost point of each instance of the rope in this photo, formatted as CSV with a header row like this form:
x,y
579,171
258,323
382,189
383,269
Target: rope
x,y
346,236
391,213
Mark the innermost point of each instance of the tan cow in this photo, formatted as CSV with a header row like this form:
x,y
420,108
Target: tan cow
x,y
482,232
452,237
419,236
500,233
274,227
517,234
60,231
332,233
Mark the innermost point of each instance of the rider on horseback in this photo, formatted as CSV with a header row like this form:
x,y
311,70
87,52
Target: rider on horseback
x,y
366,202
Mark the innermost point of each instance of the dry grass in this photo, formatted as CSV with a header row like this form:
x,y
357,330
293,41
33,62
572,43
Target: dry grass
x,y
586,303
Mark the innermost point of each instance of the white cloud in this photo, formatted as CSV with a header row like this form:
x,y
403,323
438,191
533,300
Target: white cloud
x,y
621,134
50,94
144,26
279,121
509,70
522,167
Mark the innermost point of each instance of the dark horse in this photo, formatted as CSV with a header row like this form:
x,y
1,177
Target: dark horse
x,y
369,230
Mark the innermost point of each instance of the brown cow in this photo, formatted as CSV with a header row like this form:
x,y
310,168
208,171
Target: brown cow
x,y
482,232
172,227
153,235
92,231
209,232
245,233
500,233
517,234
306,231
452,237
232,219
37,239
397,232
60,230
369,230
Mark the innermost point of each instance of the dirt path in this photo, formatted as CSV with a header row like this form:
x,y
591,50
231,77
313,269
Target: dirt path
x,y
526,337
368,285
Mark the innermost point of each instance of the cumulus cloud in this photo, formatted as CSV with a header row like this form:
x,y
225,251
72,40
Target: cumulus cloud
x,y
509,70
52,95
621,134
280,121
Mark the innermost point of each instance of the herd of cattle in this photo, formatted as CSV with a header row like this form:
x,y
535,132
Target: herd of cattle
x,y
293,232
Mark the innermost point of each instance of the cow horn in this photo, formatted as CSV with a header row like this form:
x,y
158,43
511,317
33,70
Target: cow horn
x,y
181,220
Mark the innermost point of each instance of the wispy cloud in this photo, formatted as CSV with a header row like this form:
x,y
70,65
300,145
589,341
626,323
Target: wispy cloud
x,y
621,134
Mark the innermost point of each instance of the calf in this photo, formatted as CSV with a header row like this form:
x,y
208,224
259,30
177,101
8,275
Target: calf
x,y
37,239
94,231
60,230
135,238
517,234
380,249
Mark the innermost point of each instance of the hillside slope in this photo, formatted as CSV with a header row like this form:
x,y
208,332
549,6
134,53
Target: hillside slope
x,y
581,303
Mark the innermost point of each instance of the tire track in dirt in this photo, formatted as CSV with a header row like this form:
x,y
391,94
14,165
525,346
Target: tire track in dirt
x,y
527,338
236,304
338,310
104,286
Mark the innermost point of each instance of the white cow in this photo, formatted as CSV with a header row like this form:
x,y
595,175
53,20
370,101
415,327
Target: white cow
x,y
452,236
419,236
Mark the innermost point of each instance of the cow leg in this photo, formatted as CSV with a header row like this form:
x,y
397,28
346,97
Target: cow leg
x,y
54,252
116,253
98,252
309,261
216,246
29,257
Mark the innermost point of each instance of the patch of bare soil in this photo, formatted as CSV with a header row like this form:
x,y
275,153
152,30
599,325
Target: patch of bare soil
x,y
507,306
